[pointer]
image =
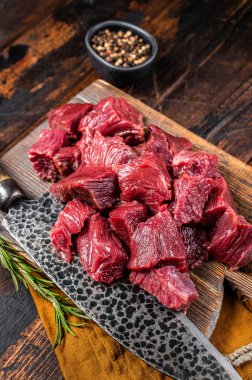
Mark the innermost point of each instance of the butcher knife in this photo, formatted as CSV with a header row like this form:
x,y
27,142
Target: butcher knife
x,y
166,340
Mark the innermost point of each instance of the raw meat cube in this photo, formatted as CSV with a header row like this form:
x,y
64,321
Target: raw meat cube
x,y
68,116
67,160
171,287
70,221
125,217
157,144
108,151
114,116
163,144
231,240
176,144
101,252
157,242
96,185
225,232
195,241
219,200
42,152
145,179
191,195
195,163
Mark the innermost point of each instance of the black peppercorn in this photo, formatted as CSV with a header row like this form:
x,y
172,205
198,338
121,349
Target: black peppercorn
x,y
121,48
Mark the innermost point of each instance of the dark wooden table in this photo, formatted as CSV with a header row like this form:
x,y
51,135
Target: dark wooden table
x,y
202,79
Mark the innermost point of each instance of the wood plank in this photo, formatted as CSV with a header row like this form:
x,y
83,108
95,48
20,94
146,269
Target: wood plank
x,y
31,357
208,280
11,303
191,79
17,16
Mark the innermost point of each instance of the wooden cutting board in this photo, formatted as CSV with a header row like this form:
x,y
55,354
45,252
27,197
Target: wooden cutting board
x,y
209,277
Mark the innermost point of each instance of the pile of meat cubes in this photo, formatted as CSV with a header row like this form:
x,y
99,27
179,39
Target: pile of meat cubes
x,y
139,201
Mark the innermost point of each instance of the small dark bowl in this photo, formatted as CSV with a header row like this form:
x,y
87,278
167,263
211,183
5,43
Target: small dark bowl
x,y
114,74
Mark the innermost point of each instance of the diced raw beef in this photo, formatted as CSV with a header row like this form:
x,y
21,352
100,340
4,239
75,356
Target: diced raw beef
x,y
67,160
157,144
145,179
177,144
70,221
171,287
195,163
42,152
231,240
96,185
191,195
101,252
82,245
68,116
195,241
125,217
219,200
157,242
114,116
108,151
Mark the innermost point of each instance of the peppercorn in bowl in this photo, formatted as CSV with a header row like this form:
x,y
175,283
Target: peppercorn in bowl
x,y
121,52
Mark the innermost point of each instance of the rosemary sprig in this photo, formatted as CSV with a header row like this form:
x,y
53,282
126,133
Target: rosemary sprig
x,y
21,271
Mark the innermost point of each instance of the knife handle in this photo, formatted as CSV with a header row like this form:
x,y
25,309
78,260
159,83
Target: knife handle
x,y
9,191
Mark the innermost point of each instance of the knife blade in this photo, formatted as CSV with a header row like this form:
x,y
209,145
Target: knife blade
x,y
165,339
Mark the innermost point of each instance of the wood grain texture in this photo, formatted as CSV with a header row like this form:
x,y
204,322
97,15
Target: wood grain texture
x,y
241,281
208,280
16,308
17,16
31,357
